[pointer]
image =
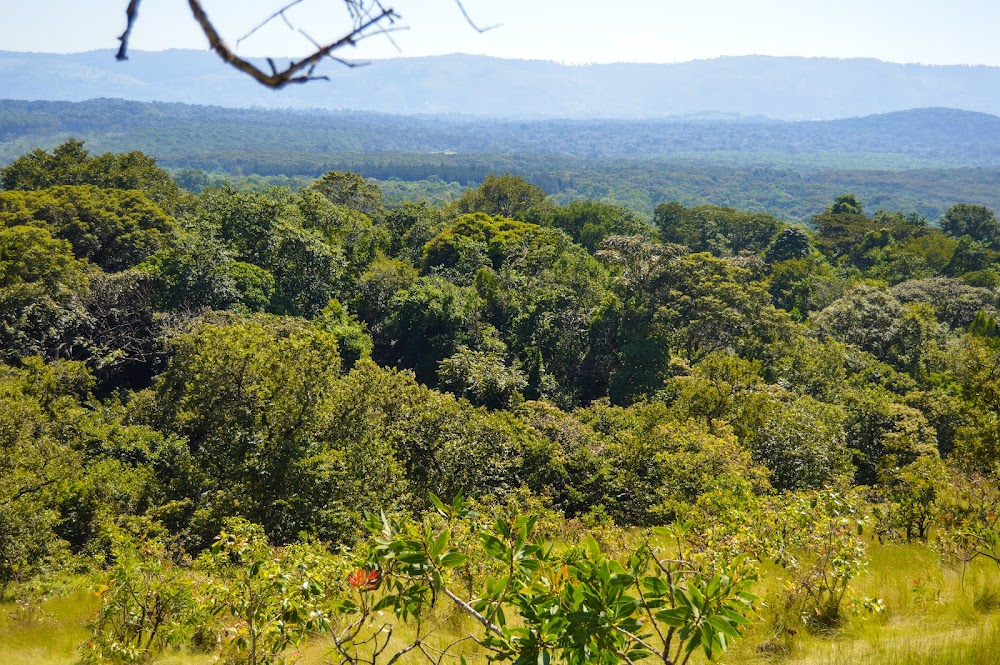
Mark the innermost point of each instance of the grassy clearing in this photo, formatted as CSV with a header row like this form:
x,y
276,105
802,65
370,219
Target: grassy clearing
x,y
934,614
53,638
50,639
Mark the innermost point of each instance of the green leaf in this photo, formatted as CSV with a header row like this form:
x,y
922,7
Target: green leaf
x,y
722,626
440,543
495,547
676,618
438,504
453,560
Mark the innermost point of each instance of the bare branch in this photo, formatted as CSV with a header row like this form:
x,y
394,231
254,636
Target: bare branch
x,y
279,13
297,71
369,18
473,613
402,652
131,13
468,19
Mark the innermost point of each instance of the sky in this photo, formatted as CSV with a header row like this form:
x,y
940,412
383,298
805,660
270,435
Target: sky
x,y
566,31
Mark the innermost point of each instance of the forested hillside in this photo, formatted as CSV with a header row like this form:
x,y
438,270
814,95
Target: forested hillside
x,y
196,135
261,421
893,161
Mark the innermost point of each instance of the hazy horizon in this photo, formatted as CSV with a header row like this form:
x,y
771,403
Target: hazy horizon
x,y
406,56
578,32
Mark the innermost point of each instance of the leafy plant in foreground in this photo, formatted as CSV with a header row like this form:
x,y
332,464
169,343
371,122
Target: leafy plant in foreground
x,y
578,605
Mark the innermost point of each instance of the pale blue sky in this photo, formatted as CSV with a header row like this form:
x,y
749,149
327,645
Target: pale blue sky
x,y
578,31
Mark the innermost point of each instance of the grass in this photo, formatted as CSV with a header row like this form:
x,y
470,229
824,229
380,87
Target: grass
x,y
53,637
50,639
934,614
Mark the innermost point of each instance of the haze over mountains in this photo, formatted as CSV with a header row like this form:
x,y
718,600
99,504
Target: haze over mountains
x,y
775,87
199,135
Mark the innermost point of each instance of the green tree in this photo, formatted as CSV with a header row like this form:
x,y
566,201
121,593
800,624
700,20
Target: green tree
x,y
842,226
866,317
481,377
659,467
41,293
790,244
677,224
478,240
71,164
348,229
801,440
147,605
954,302
846,204
248,397
977,222
410,226
884,434
353,340
803,286
706,304
504,196
115,229
265,600
37,465
590,222
970,256
199,271
372,297
429,321
350,190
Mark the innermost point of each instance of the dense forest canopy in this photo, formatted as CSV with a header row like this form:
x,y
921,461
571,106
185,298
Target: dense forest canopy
x,y
278,366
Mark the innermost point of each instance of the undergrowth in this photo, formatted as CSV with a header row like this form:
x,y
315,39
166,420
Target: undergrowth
x,y
934,614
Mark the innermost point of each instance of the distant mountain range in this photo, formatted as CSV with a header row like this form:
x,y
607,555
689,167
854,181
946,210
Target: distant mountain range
x,y
775,87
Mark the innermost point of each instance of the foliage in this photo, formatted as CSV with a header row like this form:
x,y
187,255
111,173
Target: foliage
x,y
915,497
41,285
977,222
36,465
825,528
146,606
581,606
264,600
71,164
350,190
281,365
504,196
970,516
482,378
248,398
115,229
429,321
721,231
590,222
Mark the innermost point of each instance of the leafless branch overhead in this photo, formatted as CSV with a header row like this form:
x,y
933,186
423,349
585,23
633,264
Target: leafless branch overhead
x,y
469,20
368,18
131,13
297,71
